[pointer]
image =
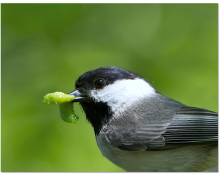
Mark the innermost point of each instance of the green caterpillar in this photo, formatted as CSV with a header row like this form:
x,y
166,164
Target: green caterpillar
x,y
65,105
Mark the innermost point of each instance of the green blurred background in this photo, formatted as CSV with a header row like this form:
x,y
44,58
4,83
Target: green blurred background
x,y
46,47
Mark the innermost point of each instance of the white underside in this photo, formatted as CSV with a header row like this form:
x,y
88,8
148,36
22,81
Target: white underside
x,y
185,159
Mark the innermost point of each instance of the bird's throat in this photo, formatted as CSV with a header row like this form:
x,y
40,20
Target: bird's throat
x,y
98,114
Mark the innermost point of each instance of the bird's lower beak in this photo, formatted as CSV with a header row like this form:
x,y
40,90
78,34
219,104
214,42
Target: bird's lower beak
x,y
79,96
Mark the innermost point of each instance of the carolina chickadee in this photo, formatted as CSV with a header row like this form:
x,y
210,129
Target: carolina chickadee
x,y
140,130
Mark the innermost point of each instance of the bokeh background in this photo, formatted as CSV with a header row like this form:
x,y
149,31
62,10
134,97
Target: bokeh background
x,y
46,47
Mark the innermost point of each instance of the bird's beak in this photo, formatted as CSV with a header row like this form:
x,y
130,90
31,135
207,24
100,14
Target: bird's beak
x,y
79,96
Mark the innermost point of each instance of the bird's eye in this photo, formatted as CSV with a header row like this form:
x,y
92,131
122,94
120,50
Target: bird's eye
x,y
100,83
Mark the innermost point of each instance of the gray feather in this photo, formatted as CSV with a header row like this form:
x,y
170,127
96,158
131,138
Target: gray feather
x,y
161,123
192,125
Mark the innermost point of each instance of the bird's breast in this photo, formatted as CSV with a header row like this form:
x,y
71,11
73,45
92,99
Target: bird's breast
x,y
189,158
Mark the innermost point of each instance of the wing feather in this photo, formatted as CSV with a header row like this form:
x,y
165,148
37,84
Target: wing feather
x,y
163,124
192,125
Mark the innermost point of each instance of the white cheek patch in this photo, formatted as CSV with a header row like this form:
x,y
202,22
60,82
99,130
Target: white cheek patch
x,y
123,92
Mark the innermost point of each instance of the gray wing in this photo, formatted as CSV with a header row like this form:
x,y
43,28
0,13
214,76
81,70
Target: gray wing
x,y
192,125
171,126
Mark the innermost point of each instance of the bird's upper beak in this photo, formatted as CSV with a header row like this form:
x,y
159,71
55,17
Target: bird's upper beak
x,y
79,96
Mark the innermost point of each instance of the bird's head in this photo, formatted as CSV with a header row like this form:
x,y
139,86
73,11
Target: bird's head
x,y
104,91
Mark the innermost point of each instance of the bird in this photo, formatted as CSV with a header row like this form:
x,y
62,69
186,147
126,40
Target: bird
x,y
140,130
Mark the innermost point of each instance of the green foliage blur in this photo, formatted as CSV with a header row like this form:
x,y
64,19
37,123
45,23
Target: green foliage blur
x,y
46,47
